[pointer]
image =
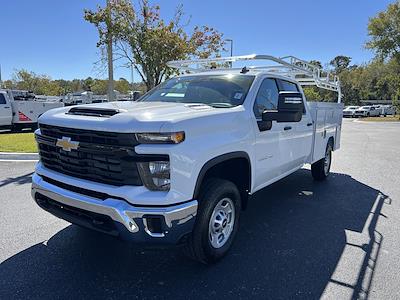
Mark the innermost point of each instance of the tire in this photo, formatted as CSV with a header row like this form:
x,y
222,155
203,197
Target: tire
x,y
16,128
216,195
320,169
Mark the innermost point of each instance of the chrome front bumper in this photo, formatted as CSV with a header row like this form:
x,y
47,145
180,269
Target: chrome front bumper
x,y
131,222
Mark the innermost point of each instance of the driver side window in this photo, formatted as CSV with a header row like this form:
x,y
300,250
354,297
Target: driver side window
x,y
267,97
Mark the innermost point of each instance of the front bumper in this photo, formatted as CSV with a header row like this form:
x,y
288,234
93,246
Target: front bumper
x,y
360,113
167,224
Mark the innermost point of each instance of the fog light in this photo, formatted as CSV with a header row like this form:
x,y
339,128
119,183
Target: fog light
x,y
155,175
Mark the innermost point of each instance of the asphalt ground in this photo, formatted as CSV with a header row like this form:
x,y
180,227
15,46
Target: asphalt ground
x,y
337,239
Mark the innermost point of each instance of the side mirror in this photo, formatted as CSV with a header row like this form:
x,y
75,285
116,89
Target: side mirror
x,y
290,108
136,95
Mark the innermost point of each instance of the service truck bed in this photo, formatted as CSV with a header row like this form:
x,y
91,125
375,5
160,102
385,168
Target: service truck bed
x,y
327,119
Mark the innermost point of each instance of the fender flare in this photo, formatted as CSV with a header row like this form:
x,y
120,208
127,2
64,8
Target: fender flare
x,y
215,161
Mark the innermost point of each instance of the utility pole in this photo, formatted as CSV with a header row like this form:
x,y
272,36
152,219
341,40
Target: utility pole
x,y
110,88
231,41
1,82
132,86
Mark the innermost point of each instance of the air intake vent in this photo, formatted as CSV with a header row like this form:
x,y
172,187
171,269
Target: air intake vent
x,y
94,112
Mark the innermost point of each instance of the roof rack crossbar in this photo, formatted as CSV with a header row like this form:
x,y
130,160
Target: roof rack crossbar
x,y
304,72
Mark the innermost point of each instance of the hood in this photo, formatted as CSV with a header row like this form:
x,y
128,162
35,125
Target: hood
x,y
128,116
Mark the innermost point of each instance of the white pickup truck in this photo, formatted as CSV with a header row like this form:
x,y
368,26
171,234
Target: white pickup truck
x,y
180,164
20,109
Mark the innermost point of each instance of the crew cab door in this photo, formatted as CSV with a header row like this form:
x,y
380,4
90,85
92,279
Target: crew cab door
x,y
303,130
5,110
273,144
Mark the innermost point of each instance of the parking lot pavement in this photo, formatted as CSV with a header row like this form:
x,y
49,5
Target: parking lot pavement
x,y
337,239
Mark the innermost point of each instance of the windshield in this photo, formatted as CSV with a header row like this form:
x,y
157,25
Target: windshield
x,y
214,90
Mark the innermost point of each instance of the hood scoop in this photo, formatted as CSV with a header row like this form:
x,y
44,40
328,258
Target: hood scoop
x,y
198,106
94,111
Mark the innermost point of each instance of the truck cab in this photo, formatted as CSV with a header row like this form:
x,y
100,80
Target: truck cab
x,y
181,163
5,110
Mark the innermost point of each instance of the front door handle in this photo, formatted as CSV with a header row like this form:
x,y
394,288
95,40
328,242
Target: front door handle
x,y
287,128
309,124
6,107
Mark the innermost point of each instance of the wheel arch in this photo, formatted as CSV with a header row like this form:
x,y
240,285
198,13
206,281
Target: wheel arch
x,y
223,166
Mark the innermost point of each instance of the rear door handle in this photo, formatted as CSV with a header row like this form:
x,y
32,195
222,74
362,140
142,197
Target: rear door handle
x,y
6,107
287,128
309,124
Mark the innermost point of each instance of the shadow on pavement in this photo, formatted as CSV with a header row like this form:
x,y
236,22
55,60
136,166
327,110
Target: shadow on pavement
x,y
291,239
23,179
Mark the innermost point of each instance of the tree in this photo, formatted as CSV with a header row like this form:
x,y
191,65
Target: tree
x,y
123,86
340,62
384,30
147,42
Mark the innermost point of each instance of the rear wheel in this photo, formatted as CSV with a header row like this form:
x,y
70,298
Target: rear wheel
x,y
217,221
320,169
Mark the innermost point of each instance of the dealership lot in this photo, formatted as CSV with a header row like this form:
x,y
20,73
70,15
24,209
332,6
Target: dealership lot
x,y
336,239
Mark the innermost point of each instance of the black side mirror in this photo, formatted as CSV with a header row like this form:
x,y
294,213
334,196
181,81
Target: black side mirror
x,y
136,95
290,108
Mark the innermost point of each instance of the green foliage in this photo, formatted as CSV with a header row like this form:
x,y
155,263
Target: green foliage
x,y
340,63
312,94
146,41
44,85
384,30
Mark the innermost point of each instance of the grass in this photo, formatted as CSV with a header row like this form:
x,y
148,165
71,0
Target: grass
x,y
382,119
17,142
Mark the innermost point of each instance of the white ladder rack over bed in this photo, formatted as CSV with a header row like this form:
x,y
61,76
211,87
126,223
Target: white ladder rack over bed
x,y
302,71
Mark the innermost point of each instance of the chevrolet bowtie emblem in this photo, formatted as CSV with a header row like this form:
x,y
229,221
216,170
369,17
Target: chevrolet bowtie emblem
x,y
66,144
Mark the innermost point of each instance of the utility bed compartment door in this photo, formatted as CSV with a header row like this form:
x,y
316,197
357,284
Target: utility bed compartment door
x,y
327,119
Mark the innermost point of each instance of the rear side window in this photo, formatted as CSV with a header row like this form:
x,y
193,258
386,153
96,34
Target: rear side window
x,y
288,86
267,97
2,99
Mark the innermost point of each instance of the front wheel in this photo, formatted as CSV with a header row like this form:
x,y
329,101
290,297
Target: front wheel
x,y
321,169
217,221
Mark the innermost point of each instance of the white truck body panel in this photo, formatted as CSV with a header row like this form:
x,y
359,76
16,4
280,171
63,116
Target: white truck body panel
x,y
22,112
327,119
32,109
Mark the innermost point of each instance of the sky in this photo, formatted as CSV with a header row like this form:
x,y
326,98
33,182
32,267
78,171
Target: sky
x,y
51,37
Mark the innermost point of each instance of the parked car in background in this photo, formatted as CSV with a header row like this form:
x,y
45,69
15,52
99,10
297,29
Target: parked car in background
x,y
349,111
388,110
367,111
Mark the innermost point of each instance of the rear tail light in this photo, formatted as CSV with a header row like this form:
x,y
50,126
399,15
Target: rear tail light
x,y
23,117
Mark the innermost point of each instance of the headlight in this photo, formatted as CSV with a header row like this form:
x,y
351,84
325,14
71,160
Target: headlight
x,y
161,138
155,175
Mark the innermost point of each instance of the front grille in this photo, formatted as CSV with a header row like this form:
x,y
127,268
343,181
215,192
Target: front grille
x,y
105,157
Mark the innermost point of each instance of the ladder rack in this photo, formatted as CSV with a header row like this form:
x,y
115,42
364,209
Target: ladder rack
x,y
303,72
